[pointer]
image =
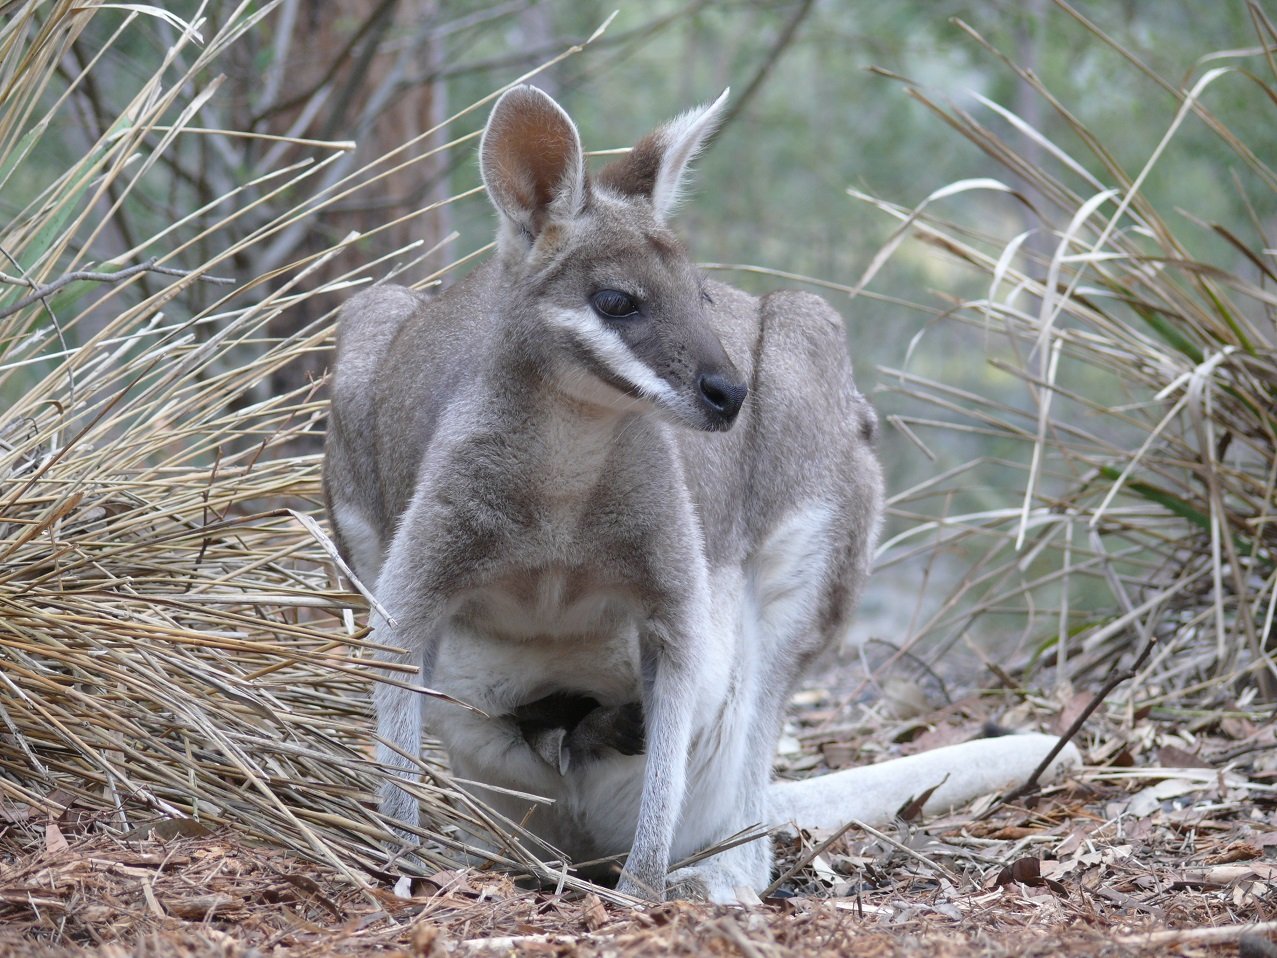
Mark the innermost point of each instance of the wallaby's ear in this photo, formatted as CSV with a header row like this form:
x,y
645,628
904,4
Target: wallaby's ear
x,y
656,166
531,160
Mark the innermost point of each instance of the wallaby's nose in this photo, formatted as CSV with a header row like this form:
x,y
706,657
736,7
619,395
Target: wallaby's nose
x,y
721,396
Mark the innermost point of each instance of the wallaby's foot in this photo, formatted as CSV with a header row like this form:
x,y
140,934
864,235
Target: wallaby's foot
x,y
709,882
734,876
704,882
646,886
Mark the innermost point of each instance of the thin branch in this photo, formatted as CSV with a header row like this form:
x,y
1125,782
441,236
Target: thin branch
x,y
806,859
783,40
374,21
1031,783
87,276
57,326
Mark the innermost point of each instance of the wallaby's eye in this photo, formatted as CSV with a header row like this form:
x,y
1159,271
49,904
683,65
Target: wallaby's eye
x,y
613,304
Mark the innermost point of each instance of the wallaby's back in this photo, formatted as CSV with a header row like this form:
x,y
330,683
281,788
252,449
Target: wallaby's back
x,y
396,370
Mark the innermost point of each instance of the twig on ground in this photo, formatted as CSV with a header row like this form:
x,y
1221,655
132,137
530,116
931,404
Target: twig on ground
x,y
1199,936
1031,784
804,860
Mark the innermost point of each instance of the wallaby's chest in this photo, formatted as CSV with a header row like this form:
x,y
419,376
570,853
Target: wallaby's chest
x,y
555,601
554,517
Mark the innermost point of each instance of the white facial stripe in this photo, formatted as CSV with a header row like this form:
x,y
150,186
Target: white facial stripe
x,y
610,351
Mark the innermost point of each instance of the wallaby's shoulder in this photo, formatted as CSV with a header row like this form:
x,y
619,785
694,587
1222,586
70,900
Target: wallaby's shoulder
x,y
806,344
366,325
799,314
804,355
382,327
377,310
791,316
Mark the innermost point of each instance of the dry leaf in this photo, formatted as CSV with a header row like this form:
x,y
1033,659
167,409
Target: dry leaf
x,y
593,913
1236,852
54,840
1171,757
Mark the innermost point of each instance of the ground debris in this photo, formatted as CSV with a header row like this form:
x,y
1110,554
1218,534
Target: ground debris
x,y
1132,858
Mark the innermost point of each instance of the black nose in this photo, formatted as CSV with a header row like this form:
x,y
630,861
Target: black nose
x,y
722,397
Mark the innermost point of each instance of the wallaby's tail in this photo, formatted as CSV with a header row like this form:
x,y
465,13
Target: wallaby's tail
x,y
874,794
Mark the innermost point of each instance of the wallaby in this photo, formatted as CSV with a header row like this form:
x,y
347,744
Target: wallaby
x,y
618,507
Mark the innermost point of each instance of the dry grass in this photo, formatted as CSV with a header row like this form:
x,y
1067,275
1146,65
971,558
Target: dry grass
x,y
175,642
1144,428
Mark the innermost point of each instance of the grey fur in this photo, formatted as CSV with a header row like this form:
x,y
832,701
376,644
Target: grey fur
x,y
546,508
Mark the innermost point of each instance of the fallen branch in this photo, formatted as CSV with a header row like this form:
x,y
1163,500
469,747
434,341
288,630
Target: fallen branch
x,y
1200,936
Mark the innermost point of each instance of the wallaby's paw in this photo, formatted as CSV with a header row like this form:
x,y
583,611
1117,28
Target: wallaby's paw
x,y
688,884
710,882
618,727
569,732
638,888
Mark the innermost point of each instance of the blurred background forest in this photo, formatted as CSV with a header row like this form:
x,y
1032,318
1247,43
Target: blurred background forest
x,y
1049,229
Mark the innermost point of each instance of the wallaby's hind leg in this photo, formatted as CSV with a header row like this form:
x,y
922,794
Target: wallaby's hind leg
x,y
873,794
352,484
366,328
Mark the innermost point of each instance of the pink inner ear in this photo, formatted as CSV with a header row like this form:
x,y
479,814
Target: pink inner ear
x,y
533,150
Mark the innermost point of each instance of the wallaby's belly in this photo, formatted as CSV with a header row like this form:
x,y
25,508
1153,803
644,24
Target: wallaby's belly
x,y
559,604
496,659
525,636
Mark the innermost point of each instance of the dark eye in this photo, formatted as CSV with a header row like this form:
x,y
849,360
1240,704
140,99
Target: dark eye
x,y
613,304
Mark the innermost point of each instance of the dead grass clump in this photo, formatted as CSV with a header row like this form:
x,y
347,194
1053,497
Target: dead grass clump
x,y
174,641
1144,428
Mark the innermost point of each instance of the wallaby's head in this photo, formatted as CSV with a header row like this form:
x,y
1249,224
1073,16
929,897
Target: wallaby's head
x,y
588,262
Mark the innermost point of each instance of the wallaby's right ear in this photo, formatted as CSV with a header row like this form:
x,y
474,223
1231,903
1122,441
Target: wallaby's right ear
x,y
531,161
656,167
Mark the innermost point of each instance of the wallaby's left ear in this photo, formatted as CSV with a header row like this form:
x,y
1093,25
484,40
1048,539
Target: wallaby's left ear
x,y
656,166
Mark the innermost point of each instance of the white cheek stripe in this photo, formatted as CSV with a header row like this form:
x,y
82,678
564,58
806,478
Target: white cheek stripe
x,y
610,350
